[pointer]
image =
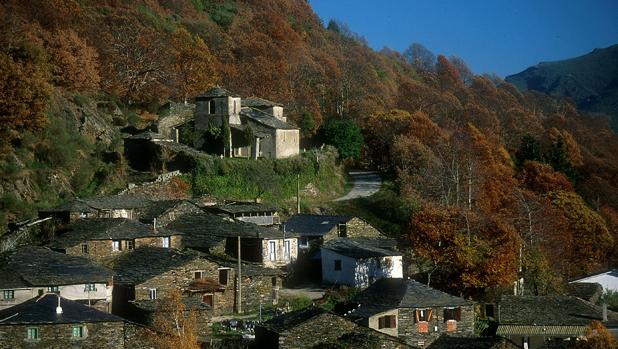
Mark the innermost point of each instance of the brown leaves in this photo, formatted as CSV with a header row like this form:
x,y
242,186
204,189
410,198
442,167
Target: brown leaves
x,y
174,325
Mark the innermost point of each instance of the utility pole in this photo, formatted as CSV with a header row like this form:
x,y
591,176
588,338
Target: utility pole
x,y
239,305
298,193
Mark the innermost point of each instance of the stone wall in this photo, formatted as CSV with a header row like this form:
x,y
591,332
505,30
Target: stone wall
x,y
57,336
99,250
373,322
408,328
280,258
355,228
260,289
286,143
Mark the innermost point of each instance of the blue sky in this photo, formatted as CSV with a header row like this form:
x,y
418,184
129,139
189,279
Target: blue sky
x,y
500,36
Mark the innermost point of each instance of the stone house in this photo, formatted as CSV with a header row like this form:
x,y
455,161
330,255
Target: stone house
x,y
32,271
101,238
357,264
250,212
315,327
215,234
314,230
117,206
50,321
412,311
161,213
548,321
273,136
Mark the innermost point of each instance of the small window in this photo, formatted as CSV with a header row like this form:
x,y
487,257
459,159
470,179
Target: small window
x,y
272,250
212,109
303,242
84,248
207,299
337,264
287,249
489,310
223,276
152,293
423,315
53,289
116,245
90,288
274,281
130,244
198,275
387,321
166,242
452,314
78,332
342,230
8,294
32,333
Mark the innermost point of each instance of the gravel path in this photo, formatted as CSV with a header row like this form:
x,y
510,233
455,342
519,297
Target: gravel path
x,y
366,183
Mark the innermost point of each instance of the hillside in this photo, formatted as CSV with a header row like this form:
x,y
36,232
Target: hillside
x,y
485,178
591,80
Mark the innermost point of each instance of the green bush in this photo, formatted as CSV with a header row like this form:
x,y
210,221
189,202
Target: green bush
x,y
344,135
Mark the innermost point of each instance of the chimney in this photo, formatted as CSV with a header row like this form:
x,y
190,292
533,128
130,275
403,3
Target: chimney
x,y
58,308
604,312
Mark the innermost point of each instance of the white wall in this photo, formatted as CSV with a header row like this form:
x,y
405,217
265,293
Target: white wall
x,y
608,280
286,143
359,273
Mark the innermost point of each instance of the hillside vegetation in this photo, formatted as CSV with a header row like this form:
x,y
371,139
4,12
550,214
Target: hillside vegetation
x,y
591,80
492,184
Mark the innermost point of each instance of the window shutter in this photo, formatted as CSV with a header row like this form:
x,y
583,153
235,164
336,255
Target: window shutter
x,y
381,322
393,323
429,314
416,316
444,314
458,314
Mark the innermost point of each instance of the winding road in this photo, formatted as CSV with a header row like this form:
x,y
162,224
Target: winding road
x,y
366,183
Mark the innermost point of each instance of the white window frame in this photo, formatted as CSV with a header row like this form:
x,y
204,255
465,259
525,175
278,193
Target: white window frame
x,y
152,293
129,244
287,249
166,241
82,331
8,292
116,245
90,288
32,334
272,250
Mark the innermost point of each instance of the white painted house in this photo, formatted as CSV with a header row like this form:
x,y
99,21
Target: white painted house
x,y
356,264
608,279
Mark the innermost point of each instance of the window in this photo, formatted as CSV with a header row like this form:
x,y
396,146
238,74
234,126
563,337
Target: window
x,y
272,250
78,332
387,321
303,242
130,244
32,333
152,293
116,246
207,299
53,289
223,276
198,275
84,248
211,107
342,230
90,288
423,315
8,294
287,249
274,281
166,242
452,314
337,264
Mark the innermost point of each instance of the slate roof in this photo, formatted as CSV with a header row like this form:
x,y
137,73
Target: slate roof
x,y
42,310
452,342
103,203
243,207
357,250
313,225
146,262
547,311
379,242
248,268
106,229
266,119
157,208
588,291
391,293
149,135
292,319
39,266
255,102
216,92
204,230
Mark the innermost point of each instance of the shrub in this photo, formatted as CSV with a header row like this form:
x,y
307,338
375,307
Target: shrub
x,y
344,135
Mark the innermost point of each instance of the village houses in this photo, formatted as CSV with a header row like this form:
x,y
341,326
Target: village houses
x,y
250,212
32,271
117,206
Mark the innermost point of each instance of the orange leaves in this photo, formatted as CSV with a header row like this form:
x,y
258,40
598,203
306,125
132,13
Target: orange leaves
x,y
542,178
74,63
448,74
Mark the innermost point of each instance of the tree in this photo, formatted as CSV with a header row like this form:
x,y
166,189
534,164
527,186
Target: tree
x,y
307,123
74,63
344,135
596,337
193,64
529,149
419,56
174,325
463,69
448,75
